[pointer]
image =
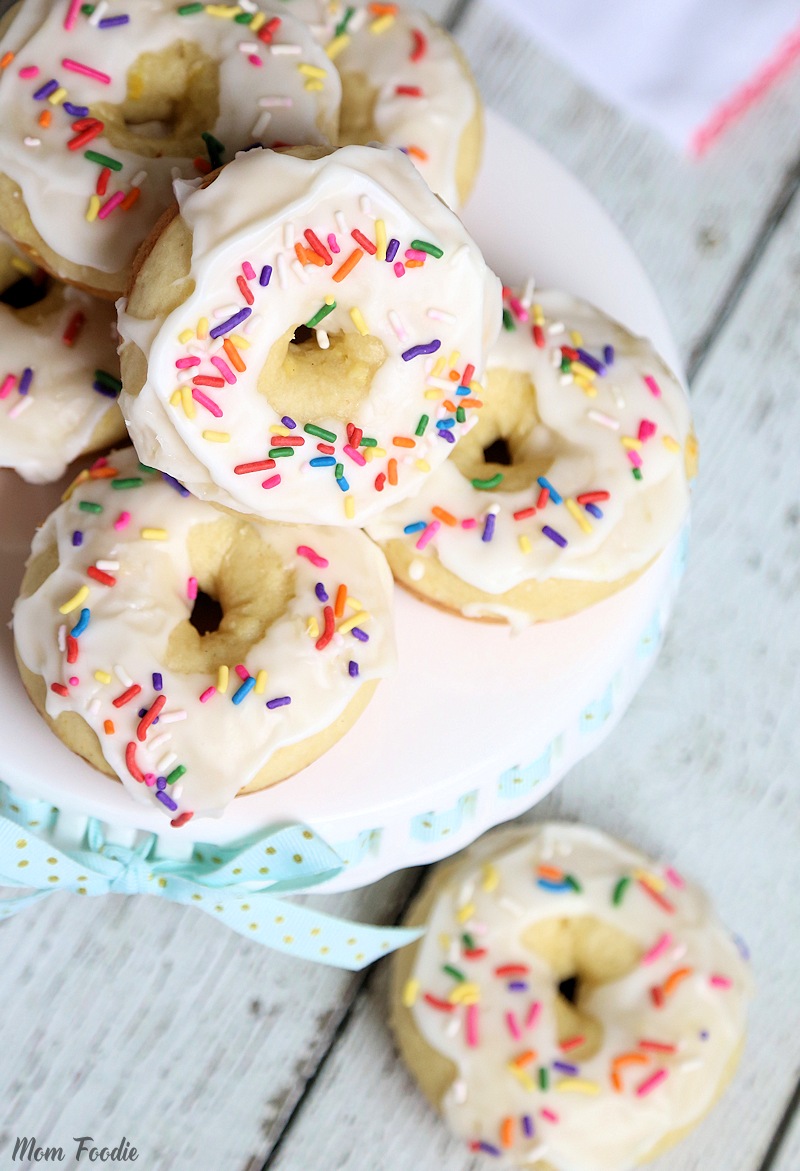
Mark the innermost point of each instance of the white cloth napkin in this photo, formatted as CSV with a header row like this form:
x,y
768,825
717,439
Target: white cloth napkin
x,y
688,67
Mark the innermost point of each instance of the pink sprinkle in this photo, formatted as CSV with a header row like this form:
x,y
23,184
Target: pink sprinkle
x,y
647,428
513,1027
333,243
473,1037
272,482
520,312
721,982
9,382
150,779
673,877
249,271
635,458
224,369
109,205
651,1082
549,1115
242,671
31,70
72,14
652,385
255,60
428,534
185,363
658,948
122,521
469,523
191,589
312,556
85,70
206,696
399,269
534,1013
206,402
355,456
73,680
416,254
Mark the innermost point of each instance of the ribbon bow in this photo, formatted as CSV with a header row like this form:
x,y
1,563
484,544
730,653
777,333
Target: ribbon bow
x,y
240,885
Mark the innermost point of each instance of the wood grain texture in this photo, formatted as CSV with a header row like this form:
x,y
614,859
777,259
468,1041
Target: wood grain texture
x,y
787,1155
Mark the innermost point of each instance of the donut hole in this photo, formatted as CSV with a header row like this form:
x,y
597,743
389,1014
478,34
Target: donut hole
x,y
357,114
312,384
172,97
243,589
498,452
20,290
582,953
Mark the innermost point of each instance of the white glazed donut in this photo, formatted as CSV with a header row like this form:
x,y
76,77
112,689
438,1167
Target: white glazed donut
x,y
398,303
574,478
405,83
520,1072
127,93
58,372
107,635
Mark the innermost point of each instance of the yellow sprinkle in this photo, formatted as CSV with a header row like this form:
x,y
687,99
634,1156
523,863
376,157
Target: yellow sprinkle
x,y
630,443
382,24
577,1085
93,209
75,601
202,329
175,397
379,452
311,70
349,507
22,266
524,543
368,454
380,239
476,388
652,880
433,393
438,367
444,941
585,385
452,361
334,47
575,337
187,402
57,96
465,912
576,513
670,443
217,436
223,675
135,85
491,877
581,368
522,1077
223,11
102,676
185,336
422,465
279,429
81,478
153,534
240,342
410,990
261,682
465,993
355,620
692,446
313,86
312,627
257,22
358,321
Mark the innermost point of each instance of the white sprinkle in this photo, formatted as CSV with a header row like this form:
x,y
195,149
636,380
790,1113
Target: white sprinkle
x,y
493,510
245,46
555,359
288,235
397,325
275,102
123,676
166,761
262,122
358,21
452,1027
441,383
619,398
416,570
340,221
284,50
556,327
458,1091
107,566
139,178
248,6
159,741
365,205
603,420
509,905
300,272
466,892
62,637
527,295
442,315
566,380
323,341
21,405
173,717
94,707
99,13
30,141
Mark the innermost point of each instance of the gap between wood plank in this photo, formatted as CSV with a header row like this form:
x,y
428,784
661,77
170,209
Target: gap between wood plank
x,y
456,14
781,1131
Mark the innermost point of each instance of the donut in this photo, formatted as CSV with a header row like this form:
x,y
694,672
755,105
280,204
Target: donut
x,y
572,1004
100,112
404,83
573,479
191,654
286,335
59,372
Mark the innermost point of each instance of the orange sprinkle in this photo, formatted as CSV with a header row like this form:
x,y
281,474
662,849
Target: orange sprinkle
x,y
130,198
673,980
234,355
341,598
524,1058
108,727
414,263
349,264
616,1081
630,1059
550,872
391,470
402,441
6,60
449,405
301,253
445,517
382,9
45,118
313,258
418,153
507,1132
471,402
454,376
103,473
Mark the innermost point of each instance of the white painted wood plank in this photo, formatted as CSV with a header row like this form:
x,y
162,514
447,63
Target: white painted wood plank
x,y
702,770
788,1157
691,223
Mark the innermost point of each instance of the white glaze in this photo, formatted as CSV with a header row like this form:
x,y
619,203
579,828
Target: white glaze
x,y
254,212
387,52
57,183
639,519
221,745
603,1129
42,431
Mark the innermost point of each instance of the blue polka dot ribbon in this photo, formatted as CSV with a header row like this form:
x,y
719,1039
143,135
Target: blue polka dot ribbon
x,y
240,885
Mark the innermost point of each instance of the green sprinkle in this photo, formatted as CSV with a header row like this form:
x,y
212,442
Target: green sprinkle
x,y
461,415
102,160
468,941
190,9
338,471
243,18
422,424
368,443
456,973
215,149
108,380
544,1076
320,432
573,882
147,468
487,485
87,9
508,321
88,506
319,315
566,366
637,474
279,452
341,27
128,482
619,891
425,246
176,774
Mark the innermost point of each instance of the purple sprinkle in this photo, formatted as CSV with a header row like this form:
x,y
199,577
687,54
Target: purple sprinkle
x,y
591,362
744,950
158,682
488,528
48,88
165,799
448,435
565,1067
594,511
418,351
266,273
554,536
142,712
113,21
176,484
352,668
360,634
76,111
77,538
488,1149
321,592
527,1126
161,783
391,250
280,702
704,1035
231,323
26,380
517,986
106,390
288,422
608,355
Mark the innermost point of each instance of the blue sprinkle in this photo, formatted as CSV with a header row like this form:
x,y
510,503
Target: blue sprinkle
x,y
321,592
360,634
608,355
445,424
176,484
76,111
343,484
352,668
559,887
230,324
416,527
26,380
266,273
243,692
323,461
165,799
462,390
554,496
288,422
448,435
81,624
594,511
158,682
77,538
391,250
48,88
282,701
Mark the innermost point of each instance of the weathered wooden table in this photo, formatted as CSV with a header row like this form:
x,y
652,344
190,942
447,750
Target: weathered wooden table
x,y
139,1018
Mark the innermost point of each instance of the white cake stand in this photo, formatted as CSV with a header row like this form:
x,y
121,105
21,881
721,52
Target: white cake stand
x,y
479,723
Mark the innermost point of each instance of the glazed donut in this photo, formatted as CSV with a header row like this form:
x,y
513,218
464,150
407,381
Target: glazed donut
x,y
351,257
572,1003
98,114
194,654
404,83
571,482
59,372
